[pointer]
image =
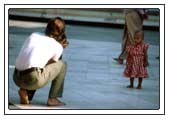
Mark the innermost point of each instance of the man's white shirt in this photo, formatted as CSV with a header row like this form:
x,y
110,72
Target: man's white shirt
x,y
37,50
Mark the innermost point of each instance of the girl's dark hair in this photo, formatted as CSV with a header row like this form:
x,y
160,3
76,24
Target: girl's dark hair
x,y
140,31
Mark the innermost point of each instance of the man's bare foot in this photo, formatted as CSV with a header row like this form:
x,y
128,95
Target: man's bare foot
x,y
54,102
23,96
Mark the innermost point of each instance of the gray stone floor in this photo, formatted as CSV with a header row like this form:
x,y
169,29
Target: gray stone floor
x,y
93,79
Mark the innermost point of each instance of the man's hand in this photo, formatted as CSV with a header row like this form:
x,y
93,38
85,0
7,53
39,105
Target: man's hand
x,y
50,61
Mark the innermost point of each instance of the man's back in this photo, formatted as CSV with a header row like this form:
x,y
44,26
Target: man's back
x,y
37,50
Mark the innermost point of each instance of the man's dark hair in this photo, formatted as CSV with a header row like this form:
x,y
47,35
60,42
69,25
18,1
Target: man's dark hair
x,y
52,28
59,18
61,37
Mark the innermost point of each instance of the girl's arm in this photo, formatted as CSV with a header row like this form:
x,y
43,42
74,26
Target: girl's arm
x,y
146,59
146,63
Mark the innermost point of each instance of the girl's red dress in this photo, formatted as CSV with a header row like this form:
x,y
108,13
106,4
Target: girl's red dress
x,y
135,61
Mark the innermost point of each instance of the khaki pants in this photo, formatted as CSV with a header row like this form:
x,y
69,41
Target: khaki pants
x,y
54,72
133,22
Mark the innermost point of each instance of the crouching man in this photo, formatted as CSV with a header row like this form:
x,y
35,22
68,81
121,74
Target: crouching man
x,y
39,62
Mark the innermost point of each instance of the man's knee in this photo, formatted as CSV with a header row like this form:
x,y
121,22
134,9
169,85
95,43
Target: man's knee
x,y
64,65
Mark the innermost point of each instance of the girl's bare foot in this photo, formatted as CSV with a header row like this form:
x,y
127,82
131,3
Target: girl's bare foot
x,y
139,87
130,86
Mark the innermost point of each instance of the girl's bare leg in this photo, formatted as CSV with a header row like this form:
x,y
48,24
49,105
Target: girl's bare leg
x,y
131,83
140,83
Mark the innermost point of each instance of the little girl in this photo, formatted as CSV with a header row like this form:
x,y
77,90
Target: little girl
x,y
137,60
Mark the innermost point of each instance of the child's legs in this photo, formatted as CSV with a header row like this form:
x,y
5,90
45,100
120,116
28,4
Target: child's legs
x,y
140,83
131,83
